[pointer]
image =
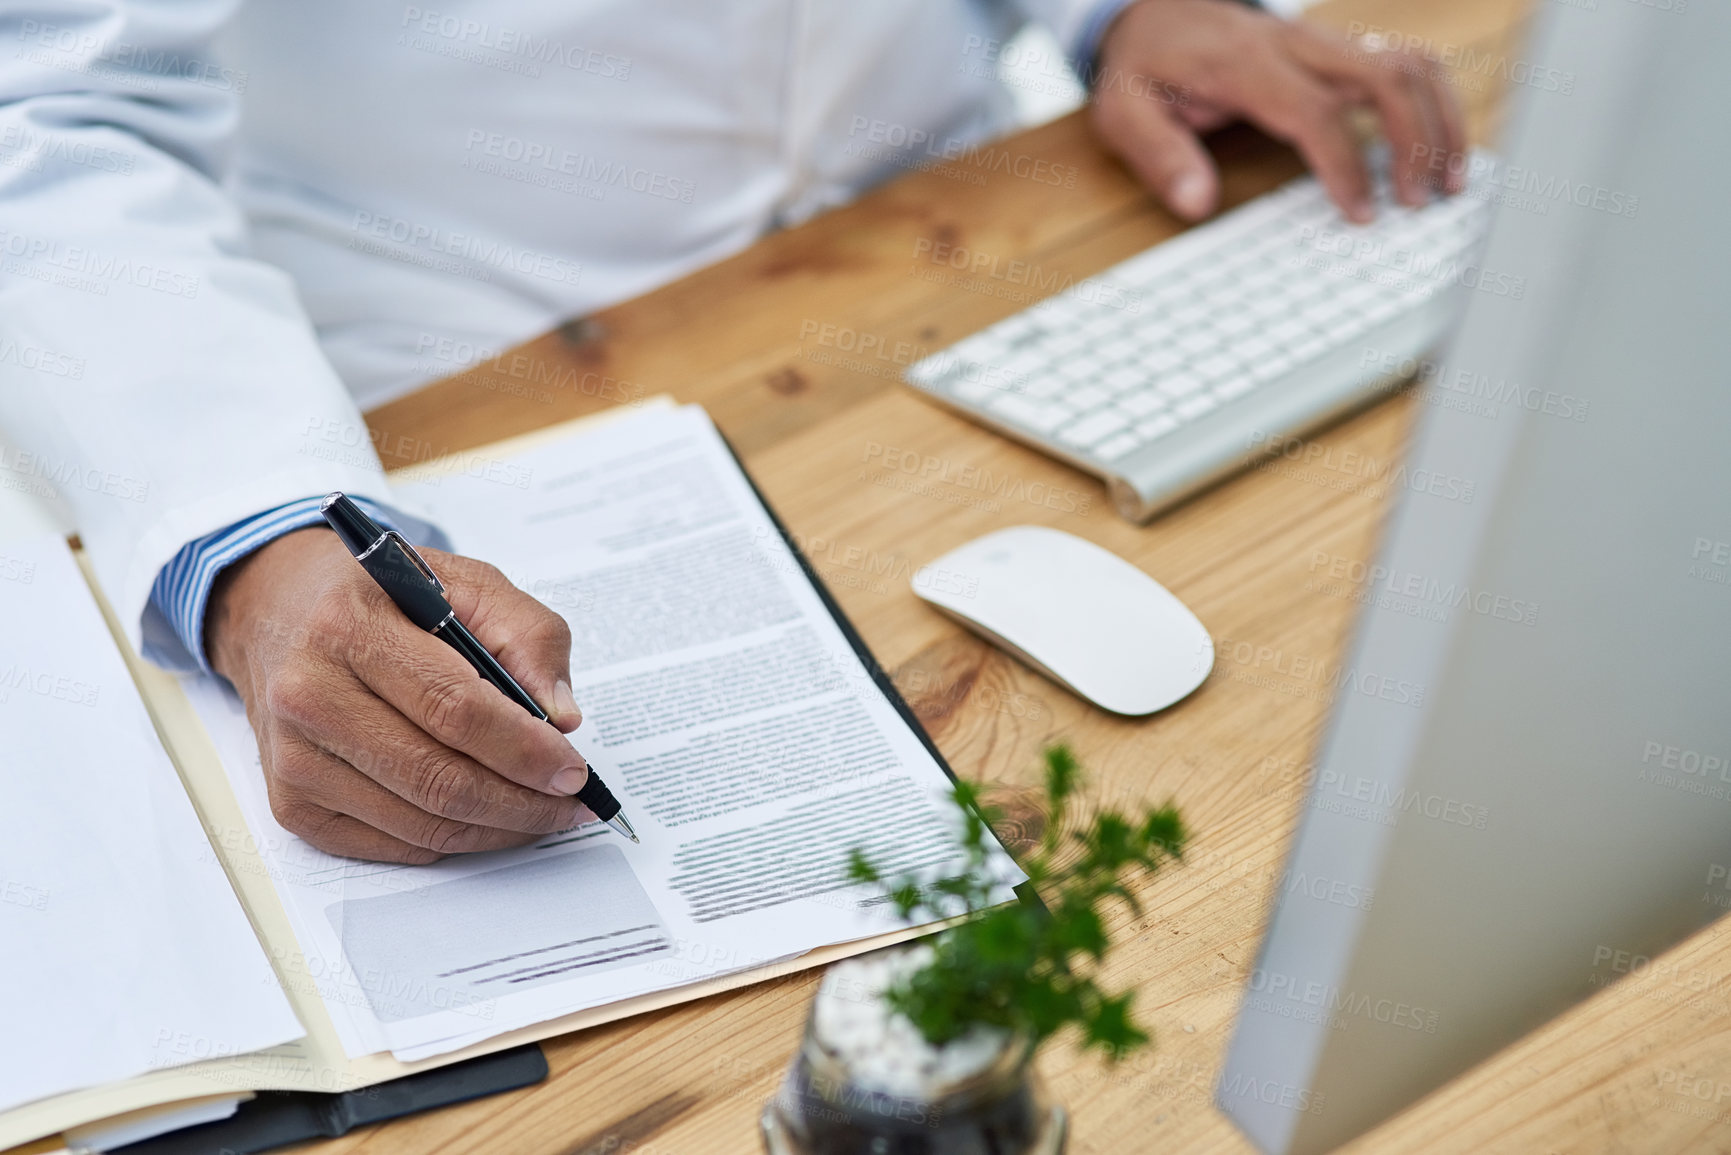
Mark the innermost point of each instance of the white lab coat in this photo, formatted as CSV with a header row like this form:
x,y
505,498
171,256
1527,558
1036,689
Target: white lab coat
x,y
223,224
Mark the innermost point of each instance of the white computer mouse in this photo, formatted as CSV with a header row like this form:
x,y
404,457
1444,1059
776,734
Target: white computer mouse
x,y
1079,614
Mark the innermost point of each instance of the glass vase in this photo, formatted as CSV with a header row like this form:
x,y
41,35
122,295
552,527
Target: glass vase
x,y
821,1109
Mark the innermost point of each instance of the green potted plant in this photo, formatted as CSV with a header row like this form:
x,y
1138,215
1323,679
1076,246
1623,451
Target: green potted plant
x,y
929,1048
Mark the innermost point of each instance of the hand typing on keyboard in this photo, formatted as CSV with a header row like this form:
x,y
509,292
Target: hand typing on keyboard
x,y
1227,340
1169,69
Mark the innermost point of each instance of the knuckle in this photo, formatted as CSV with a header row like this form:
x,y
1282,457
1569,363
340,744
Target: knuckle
x,y
555,815
444,836
445,788
474,571
311,823
333,615
1323,107
535,813
454,713
1221,72
1408,91
286,812
295,696
514,807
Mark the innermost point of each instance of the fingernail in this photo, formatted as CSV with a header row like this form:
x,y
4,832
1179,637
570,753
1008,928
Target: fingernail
x,y
570,780
1189,194
563,703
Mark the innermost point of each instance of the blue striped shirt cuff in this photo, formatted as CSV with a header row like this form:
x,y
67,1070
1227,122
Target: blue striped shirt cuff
x,y
182,590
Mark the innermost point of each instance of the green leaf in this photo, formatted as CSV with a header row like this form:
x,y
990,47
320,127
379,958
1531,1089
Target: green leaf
x,y
1081,930
1112,844
1109,1026
859,869
1164,830
1063,775
1020,968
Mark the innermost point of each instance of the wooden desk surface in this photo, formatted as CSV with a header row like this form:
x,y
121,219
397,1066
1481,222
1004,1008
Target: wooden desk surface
x,y
795,347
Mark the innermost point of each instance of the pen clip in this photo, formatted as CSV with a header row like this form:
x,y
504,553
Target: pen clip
x,y
415,557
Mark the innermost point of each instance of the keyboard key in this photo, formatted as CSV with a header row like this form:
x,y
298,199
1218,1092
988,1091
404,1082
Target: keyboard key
x,y
1080,368
1062,345
1195,406
1156,427
1403,235
1359,292
1118,350
1170,296
1040,416
1421,291
1180,385
1265,275
1087,397
1042,385
1116,447
1142,404
1234,387
976,390
1125,377
1153,334
1252,347
1092,429
1160,360
1198,341
1216,367
1324,310
1273,305
980,347
1346,328
1382,308
1289,330
1271,367
1306,349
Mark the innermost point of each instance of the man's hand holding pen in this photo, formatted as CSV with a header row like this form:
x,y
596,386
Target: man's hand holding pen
x,y
378,740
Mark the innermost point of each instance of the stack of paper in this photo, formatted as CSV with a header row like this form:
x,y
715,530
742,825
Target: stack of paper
x,y
122,947
724,702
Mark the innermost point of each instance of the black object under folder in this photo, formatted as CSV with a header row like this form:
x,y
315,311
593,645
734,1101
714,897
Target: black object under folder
x,y
278,1118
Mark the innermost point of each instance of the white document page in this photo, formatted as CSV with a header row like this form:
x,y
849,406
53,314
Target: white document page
x,y
123,948
724,707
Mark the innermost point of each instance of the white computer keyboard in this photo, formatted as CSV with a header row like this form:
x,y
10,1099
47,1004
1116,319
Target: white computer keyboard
x,y
1190,360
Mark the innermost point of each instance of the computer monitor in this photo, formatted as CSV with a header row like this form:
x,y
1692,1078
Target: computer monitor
x,y
1548,795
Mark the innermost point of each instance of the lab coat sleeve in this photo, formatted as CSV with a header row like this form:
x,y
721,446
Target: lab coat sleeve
x,y
1080,25
1077,24
156,383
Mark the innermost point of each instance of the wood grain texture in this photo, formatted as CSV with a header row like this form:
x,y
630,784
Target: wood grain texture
x,y
829,435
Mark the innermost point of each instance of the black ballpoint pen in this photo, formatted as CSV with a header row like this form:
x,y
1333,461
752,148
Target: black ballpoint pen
x,y
411,583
